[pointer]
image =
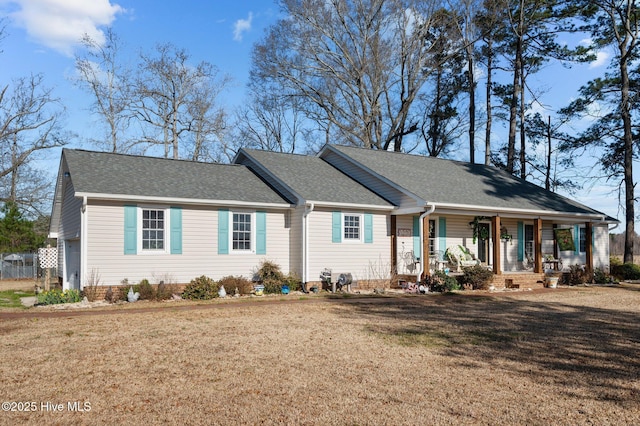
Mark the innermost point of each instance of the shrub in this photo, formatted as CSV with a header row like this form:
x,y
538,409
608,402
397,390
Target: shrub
x,y
293,281
201,288
230,283
54,297
600,277
577,275
441,282
270,275
476,277
146,290
626,271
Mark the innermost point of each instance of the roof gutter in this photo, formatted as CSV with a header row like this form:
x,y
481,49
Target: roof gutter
x,y
423,258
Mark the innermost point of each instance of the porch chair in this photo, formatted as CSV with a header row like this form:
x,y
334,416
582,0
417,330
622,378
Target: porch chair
x,y
460,256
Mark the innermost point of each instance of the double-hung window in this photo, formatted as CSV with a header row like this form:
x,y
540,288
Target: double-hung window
x,y
241,237
153,229
351,229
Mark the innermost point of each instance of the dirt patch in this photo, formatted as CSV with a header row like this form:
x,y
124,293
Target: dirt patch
x,y
549,357
27,284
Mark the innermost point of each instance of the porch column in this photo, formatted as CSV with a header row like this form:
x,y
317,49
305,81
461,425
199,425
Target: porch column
x,y
425,248
537,245
589,247
495,224
394,246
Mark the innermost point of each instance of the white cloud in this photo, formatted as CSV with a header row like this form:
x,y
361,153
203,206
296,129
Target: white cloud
x,y
60,24
602,58
242,26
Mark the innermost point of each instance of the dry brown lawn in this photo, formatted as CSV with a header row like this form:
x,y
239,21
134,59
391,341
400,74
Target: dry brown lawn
x,y
561,357
26,284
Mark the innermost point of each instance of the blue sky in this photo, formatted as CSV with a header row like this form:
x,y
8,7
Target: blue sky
x,y
42,35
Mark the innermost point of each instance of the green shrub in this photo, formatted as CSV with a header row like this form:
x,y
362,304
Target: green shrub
x,y
600,277
626,271
146,290
293,281
54,297
230,283
270,276
476,277
440,282
201,288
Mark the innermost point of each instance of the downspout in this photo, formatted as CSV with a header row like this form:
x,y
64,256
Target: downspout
x,y
83,243
423,259
305,242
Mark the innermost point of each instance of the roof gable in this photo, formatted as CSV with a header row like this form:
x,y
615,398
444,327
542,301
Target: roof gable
x,y
310,179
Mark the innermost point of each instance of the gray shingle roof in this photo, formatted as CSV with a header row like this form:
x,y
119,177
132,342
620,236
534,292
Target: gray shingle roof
x,y
314,179
118,174
438,180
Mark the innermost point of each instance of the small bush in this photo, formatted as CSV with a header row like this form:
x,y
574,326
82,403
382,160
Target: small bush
x,y
201,288
164,291
577,275
476,277
271,277
626,271
230,283
55,297
146,290
440,282
600,277
293,281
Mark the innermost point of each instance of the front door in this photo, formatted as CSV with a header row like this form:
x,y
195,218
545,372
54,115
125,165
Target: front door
x,y
72,265
483,242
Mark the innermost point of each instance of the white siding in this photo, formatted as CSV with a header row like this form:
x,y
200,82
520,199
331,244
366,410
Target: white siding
x,y
296,241
199,248
601,247
405,246
362,260
69,227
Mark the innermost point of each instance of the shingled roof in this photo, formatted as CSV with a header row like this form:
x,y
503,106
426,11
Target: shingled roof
x,y
310,179
455,183
101,173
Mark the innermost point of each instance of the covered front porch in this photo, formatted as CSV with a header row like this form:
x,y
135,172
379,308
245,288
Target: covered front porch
x,y
512,247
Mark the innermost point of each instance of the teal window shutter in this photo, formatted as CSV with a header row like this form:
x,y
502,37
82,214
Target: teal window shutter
x,y
368,228
175,220
442,233
520,241
336,227
576,238
130,229
417,247
223,231
261,233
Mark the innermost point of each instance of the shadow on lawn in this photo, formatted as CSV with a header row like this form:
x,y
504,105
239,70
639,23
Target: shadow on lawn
x,y
572,345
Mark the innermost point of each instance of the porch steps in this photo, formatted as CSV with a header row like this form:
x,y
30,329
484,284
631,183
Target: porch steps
x,y
519,280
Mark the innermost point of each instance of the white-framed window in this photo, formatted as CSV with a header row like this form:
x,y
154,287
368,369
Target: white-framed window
x,y
153,226
352,227
583,239
242,236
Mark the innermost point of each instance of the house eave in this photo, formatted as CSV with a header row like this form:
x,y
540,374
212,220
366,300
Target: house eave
x,y
520,213
184,201
348,205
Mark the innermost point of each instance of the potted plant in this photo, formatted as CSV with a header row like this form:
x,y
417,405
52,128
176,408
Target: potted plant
x,y
551,278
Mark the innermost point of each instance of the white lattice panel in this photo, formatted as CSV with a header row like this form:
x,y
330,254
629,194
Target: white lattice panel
x,y
48,257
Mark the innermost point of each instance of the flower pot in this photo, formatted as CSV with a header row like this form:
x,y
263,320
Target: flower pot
x,y
551,282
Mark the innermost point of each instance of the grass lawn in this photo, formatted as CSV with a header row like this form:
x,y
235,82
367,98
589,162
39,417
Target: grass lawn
x,y
562,357
11,298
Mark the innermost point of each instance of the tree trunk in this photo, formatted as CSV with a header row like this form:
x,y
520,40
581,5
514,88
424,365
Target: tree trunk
x,y
628,161
487,134
472,104
523,158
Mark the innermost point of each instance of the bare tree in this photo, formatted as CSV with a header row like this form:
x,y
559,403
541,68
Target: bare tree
x,y
104,76
357,65
174,99
29,123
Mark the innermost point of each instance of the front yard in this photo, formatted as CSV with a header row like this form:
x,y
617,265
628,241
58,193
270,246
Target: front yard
x,y
566,356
